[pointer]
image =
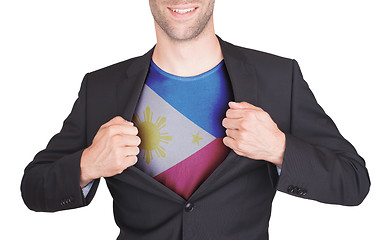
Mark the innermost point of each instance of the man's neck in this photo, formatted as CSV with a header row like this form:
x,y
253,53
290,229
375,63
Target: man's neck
x,y
190,57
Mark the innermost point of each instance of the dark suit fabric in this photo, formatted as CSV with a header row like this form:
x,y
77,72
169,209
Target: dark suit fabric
x,y
235,201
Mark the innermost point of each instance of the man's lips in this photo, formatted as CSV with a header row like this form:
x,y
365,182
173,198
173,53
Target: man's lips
x,y
182,11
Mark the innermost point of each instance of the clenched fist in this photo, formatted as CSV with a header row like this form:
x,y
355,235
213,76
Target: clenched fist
x,y
114,148
252,133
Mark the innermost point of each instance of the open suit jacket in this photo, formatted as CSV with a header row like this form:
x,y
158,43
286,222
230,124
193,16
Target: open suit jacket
x,y
235,201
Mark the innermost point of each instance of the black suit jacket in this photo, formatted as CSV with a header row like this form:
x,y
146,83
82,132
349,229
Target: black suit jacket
x,y
235,201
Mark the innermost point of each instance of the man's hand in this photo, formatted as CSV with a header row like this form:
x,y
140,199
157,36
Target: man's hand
x,y
252,133
114,148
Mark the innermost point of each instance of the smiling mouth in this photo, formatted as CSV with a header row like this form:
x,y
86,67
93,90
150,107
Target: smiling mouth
x,y
183,11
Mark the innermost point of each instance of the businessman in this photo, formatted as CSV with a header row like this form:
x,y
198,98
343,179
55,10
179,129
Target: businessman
x,y
194,138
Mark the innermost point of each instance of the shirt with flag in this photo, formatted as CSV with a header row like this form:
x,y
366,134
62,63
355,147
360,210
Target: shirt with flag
x,y
179,122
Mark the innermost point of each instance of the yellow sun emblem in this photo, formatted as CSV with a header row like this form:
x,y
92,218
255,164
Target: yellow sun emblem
x,y
150,135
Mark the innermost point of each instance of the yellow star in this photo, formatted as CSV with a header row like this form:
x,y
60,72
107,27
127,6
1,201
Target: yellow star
x,y
196,138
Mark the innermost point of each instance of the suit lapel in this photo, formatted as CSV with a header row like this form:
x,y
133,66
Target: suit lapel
x,y
129,88
243,79
243,76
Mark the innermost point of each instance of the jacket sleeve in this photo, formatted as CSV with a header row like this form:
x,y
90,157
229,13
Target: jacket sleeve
x,y
319,163
51,182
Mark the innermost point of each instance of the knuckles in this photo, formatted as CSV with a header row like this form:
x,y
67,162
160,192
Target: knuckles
x,y
225,141
112,130
237,145
119,129
137,150
135,131
118,118
228,113
250,114
132,160
116,153
244,125
223,122
263,116
133,151
116,140
242,135
138,140
134,141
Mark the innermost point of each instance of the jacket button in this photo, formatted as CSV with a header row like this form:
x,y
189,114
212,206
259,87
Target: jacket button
x,y
291,189
189,207
302,192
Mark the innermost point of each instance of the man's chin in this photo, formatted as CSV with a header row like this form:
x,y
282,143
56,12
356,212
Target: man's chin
x,y
182,37
184,34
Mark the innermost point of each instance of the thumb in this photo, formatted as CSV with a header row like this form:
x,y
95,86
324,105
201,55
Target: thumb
x,y
239,105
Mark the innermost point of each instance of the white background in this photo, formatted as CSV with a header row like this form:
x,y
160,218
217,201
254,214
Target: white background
x,y
47,47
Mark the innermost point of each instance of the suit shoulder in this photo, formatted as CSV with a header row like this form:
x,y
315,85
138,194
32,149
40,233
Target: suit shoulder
x,y
260,57
112,72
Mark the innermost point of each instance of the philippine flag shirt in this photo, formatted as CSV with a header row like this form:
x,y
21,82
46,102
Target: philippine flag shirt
x,y
180,125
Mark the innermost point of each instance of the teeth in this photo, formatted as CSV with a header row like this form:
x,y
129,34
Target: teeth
x,y
183,10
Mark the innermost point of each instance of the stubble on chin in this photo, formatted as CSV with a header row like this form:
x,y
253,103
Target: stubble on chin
x,y
190,32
